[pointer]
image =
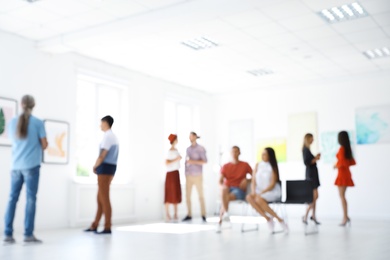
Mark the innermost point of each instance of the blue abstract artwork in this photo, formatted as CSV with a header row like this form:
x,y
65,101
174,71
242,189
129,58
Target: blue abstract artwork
x,y
373,125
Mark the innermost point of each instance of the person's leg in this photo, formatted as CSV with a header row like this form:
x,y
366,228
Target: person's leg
x,y
16,186
263,204
226,197
32,182
309,207
199,188
105,199
99,211
315,197
342,190
175,209
167,215
251,200
189,183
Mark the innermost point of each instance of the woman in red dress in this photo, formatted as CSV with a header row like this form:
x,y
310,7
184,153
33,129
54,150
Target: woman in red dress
x,y
172,180
344,179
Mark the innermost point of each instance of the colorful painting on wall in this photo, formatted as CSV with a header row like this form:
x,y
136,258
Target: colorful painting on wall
x,y
330,145
278,144
298,126
58,138
8,110
373,125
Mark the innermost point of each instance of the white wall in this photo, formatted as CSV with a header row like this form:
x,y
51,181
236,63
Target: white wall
x,y
335,102
52,80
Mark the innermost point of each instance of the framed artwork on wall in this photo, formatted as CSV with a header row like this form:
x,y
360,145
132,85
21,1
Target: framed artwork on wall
x,y
8,110
373,125
298,126
57,133
278,144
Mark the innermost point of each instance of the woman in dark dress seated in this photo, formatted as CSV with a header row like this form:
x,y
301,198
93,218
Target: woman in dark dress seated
x,y
312,175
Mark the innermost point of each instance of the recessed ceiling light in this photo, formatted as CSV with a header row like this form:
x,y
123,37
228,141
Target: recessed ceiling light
x,y
343,13
260,72
32,1
377,53
200,43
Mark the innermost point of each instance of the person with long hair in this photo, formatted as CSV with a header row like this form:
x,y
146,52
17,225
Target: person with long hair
x,y
266,188
28,138
311,175
172,180
345,159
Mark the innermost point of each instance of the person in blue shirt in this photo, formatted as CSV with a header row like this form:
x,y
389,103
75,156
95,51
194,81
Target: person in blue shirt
x,y
28,138
105,168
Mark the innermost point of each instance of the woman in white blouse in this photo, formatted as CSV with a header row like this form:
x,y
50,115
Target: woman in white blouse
x,y
172,181
266,188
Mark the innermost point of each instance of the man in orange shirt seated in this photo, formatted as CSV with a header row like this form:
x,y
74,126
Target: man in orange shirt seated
x,y
233,181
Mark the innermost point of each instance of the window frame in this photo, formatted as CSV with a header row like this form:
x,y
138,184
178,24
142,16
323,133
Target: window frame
x,y
100,82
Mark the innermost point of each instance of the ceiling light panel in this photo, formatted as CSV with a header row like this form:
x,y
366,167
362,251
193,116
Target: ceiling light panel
x,y
377,53
260,72
343,13
200,43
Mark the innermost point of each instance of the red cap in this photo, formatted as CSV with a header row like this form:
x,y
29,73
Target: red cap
x,y
172,138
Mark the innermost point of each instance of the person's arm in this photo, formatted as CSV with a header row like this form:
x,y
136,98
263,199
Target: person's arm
x,y
221,180
44,143
196,162
42,136
187,157
168,161
272,184
308,158
202,161
253,183
100,159
244,182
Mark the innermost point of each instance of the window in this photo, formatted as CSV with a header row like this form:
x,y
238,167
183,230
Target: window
x,y
97,98
181,118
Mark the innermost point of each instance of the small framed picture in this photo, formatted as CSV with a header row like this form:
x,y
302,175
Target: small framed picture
x,y
57,133
8,110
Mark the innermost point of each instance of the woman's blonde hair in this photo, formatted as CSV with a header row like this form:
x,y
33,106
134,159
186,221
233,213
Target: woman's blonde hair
x,y
28,103
306,140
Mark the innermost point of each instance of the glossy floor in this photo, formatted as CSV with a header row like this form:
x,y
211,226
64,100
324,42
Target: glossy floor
x,y
363,240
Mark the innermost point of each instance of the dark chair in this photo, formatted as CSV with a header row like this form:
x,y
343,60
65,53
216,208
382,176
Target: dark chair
x,y
300,192
297,192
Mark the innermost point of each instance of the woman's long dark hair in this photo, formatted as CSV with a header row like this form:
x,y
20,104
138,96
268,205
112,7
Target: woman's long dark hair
x,y
273,161
344,142
28,104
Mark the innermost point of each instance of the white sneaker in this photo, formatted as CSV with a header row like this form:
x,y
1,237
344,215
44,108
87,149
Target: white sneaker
x,y
284,226
218,228
226,217
271,224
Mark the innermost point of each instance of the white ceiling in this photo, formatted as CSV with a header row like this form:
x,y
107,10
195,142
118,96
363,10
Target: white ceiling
x,y
285,36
